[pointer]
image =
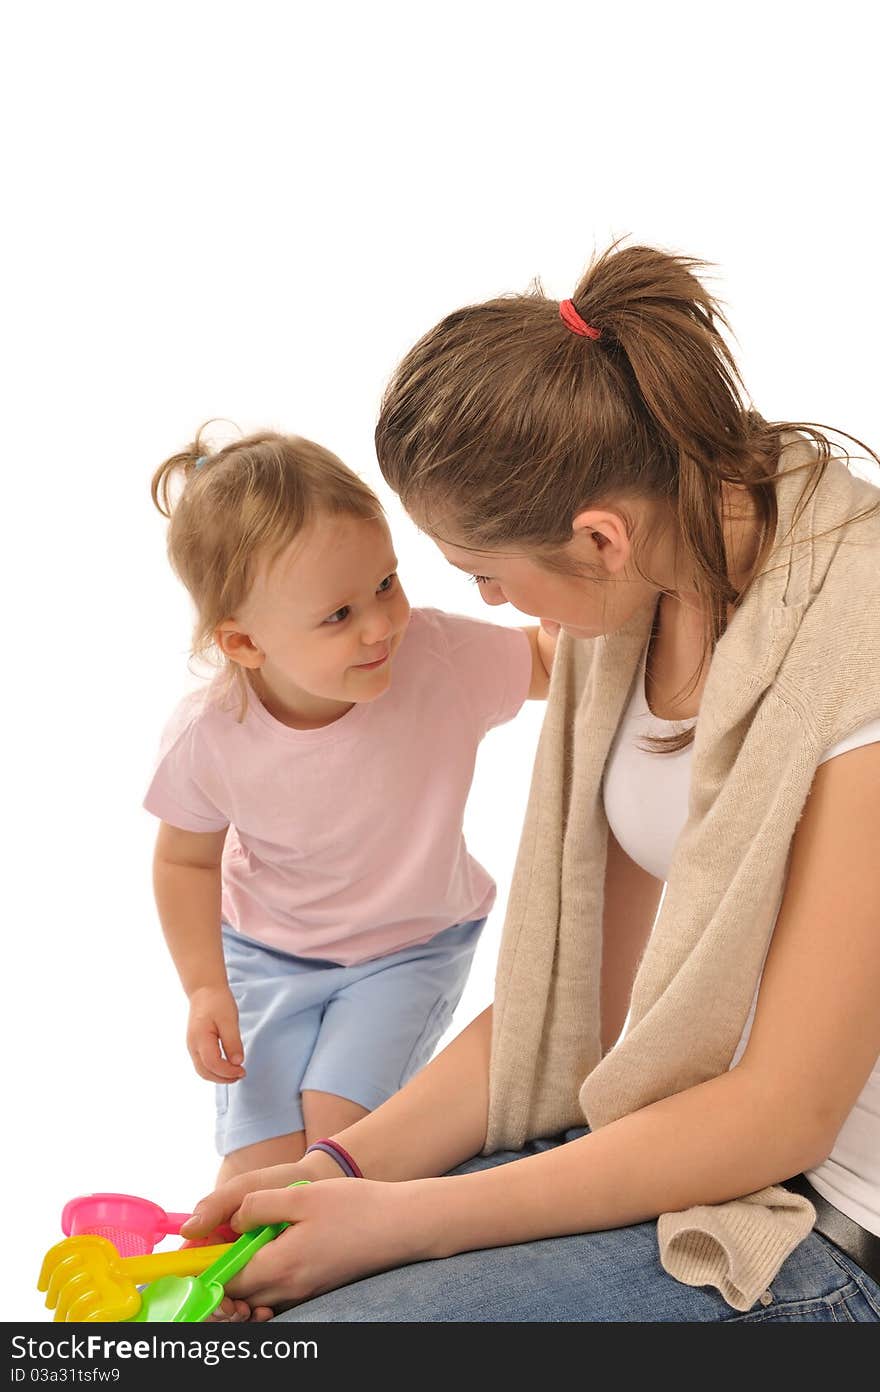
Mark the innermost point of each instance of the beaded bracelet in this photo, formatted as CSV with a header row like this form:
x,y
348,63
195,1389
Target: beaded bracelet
x,y
346,1163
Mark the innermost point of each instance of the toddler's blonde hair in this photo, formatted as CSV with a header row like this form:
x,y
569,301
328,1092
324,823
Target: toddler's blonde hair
x,y
242,503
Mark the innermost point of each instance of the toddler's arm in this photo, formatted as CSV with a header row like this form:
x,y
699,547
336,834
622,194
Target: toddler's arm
x,y
543,645
186,883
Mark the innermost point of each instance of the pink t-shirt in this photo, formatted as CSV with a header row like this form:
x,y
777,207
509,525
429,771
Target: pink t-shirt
x,y
345,843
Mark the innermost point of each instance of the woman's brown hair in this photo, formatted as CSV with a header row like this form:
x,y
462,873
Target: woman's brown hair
x,y
244,503
504,424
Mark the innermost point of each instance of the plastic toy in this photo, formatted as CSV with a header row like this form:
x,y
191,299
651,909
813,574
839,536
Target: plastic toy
x,y
133,1225
190,1299
86,1279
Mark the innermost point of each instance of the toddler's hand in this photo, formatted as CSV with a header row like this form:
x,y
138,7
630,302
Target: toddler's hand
x,y
213,1037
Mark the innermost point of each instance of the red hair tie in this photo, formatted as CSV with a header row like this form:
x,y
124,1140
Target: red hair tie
x,y
572,320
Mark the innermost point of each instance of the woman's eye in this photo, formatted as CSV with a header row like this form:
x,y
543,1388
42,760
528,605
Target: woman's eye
x,y
387,584
339,616
480,579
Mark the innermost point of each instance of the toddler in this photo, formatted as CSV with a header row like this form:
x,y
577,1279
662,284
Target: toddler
x,y
310,873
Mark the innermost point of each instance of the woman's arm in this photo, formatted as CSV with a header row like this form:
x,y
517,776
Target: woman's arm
x,y
814,1040
629,908
815,1037
543,647
187,888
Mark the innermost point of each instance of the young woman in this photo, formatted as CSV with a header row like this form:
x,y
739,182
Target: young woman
x,y
713,727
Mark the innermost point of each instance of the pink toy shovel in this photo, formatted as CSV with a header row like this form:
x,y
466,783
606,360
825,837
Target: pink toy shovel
x,y
133,1225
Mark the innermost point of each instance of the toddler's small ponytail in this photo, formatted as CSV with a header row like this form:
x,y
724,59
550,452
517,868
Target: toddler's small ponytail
x,y
181,466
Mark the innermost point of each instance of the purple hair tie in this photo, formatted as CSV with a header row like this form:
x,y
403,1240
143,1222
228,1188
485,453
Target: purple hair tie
x,y
346,1163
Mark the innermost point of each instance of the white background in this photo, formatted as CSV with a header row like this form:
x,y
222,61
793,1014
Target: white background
x,y
252,211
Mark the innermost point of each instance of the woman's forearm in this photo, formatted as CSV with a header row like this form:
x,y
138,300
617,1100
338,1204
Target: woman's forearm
x,y
438,1120
709,1144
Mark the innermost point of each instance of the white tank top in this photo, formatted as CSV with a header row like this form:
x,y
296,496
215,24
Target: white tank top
x,y
646,799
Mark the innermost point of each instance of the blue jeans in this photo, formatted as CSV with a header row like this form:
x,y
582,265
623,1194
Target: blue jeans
x,y
591,1277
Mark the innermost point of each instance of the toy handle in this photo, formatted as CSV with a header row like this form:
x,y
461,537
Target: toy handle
x,y
174,1222
189,1261
240,1253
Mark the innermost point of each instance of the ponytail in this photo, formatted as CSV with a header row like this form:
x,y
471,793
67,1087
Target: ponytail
x,y
655,311
176,472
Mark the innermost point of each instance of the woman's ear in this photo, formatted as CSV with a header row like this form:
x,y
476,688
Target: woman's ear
x,y
602,537
238,646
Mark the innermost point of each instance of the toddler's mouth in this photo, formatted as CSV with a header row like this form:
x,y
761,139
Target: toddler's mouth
x,y
368,666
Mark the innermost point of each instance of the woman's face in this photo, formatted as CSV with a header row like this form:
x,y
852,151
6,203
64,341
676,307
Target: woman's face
x,y
604,588
605,593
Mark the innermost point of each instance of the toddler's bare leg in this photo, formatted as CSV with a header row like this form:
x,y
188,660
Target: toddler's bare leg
x,y
325,1114
278,1150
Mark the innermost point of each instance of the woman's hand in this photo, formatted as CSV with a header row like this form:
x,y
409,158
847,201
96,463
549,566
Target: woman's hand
x,y
227,1199
340,1230
231,1311
213,1037
218,1207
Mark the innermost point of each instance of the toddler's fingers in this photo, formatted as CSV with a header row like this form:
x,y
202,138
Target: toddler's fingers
x,y
204,1046
222,1072
230,1038
221,1048
211,1064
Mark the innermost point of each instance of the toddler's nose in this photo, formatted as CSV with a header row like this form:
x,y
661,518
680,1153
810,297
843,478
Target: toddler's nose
x,y
378,630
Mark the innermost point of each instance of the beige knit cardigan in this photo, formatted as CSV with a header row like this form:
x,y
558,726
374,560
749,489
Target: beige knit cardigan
x,y
797,669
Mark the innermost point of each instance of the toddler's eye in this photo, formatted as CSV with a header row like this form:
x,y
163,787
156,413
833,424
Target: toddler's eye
x,y
387,584
339,616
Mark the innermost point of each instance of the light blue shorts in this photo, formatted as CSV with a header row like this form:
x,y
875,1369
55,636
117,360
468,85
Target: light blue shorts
x,y
359,1032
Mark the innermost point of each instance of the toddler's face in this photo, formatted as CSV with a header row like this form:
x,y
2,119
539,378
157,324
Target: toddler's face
x,y
326,619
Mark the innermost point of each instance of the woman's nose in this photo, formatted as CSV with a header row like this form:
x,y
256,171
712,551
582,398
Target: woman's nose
x,y
492,593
